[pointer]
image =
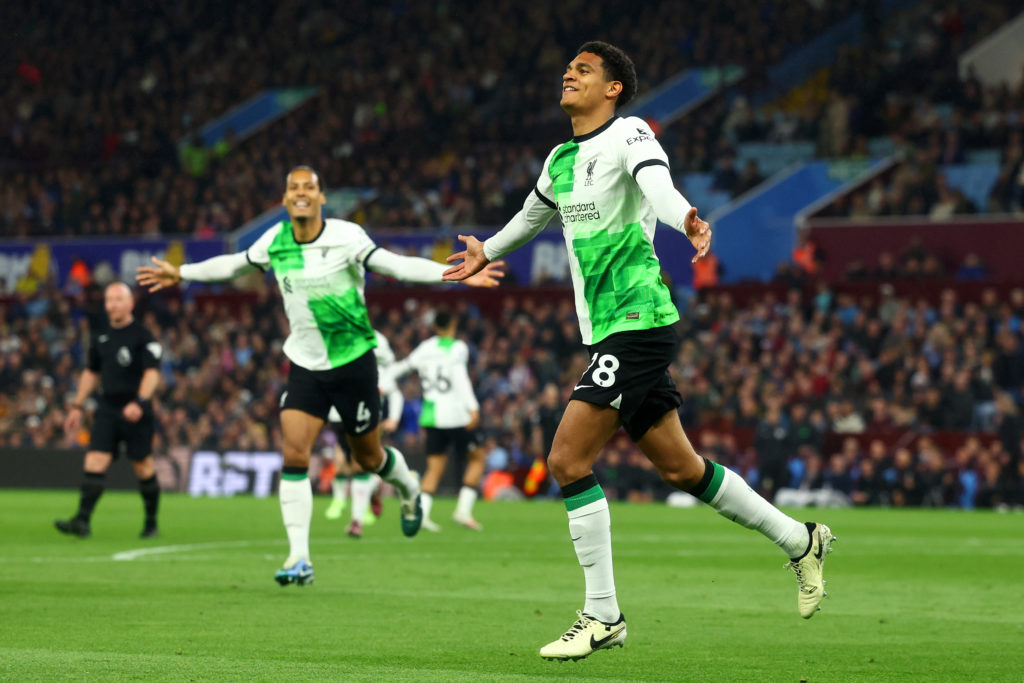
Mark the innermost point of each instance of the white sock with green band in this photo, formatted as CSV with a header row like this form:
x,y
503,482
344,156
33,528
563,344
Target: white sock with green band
x,y
394,470
731,497
591,534
427,503
296,497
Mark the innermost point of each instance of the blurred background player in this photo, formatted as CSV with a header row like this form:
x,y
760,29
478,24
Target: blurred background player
x,y
123,362
611,184
349,477
449,416
320,268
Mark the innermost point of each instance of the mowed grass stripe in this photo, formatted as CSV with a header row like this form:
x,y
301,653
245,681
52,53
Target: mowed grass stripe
x,y
916,595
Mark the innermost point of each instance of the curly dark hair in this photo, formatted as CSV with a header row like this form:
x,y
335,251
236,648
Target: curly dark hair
x,y
617,67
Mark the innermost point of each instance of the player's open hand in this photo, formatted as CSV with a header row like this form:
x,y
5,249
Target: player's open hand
x,y
490,276
698,232
473,260
157,277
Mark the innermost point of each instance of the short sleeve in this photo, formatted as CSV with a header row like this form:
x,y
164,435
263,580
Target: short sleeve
x,y
93,361
153,351
639,147
258,254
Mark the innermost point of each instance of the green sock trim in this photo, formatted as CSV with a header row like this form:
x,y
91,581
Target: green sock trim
x,y
340,477
585,498
389,463
362,476
288,476
716,483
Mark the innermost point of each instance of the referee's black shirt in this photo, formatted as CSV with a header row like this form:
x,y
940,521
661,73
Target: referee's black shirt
x,y
120,355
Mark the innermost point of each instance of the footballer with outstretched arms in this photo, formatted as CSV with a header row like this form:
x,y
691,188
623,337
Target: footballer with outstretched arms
x,y
610,184
320,267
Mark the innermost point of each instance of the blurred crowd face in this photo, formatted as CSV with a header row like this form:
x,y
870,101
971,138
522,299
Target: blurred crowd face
x,y
119,303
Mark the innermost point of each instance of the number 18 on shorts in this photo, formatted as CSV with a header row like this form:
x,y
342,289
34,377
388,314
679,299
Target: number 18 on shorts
x,y
628,371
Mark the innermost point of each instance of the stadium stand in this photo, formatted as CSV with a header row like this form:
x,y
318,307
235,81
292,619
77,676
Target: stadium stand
x,y
827,379
894,398
445,132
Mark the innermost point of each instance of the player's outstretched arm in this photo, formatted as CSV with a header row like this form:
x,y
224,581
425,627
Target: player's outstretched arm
x,y
476,257
217,269
672,209
417,269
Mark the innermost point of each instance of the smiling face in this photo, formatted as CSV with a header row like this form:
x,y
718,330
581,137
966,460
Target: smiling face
x,y
303,197
584,85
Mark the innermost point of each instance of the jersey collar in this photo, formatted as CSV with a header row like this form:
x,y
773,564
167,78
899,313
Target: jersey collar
x,y
596,131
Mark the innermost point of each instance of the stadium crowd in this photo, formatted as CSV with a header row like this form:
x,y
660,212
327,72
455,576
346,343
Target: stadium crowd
x,y
767,386
444,128
900,86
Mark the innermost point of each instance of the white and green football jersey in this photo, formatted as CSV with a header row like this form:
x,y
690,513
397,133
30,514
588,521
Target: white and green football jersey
x,y
322,285
609,227
448,396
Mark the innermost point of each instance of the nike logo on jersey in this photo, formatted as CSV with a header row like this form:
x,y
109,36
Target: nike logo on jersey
x,y
361,428
596,644
582,386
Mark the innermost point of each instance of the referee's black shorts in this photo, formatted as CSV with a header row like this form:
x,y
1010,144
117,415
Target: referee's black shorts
x,y
629,371
110,430
351,388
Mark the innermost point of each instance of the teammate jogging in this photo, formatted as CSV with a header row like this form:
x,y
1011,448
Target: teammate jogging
x,y
320,265
449,416
610,184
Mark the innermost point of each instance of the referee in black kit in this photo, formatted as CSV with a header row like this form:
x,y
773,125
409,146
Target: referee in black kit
x,y
123,361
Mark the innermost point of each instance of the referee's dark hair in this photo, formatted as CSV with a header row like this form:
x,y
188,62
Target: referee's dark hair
x,y
303,167
442,319
617,67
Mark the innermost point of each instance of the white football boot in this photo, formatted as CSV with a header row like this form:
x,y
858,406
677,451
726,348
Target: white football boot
x,y
587,635
808,570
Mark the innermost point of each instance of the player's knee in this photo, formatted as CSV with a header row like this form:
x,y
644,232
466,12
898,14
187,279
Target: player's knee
x,y
682,478
294,455
369,459
566,469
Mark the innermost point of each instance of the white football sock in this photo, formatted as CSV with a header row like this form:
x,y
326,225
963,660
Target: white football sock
x,y
339,487
296,497
732,498
362,488
591,534
467,497
426,502
394,470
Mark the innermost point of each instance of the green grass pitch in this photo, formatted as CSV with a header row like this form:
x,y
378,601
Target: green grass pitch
x,y
915,595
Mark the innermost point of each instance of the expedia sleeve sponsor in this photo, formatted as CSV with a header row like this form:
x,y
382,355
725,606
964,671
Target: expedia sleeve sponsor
x,y
580,212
